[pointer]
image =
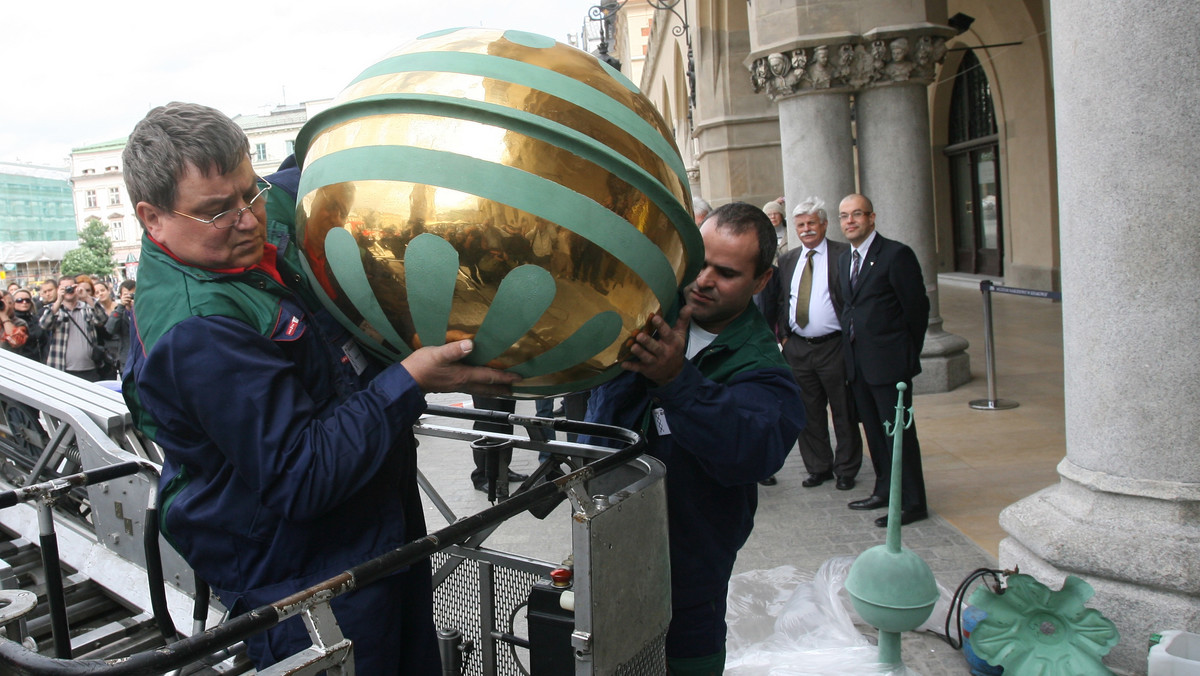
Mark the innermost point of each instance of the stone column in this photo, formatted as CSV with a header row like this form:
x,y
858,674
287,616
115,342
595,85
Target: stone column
x,y
818,152
896,173
1126,515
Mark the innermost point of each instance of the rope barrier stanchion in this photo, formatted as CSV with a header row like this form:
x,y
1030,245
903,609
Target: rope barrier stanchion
x,y
989,351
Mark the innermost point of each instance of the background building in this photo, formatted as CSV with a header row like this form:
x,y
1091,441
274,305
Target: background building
x,y
272,133
990,115
1021,142
99,191
37,221
631,36
99,184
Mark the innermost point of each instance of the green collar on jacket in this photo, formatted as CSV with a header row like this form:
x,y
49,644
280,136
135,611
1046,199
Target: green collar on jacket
x,y
170,292
745,344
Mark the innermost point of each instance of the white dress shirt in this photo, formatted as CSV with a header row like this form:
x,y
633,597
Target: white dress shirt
x,y
698,339
862,252
822,320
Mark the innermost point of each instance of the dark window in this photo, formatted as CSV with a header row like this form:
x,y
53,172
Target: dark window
x,y
974,158
971,112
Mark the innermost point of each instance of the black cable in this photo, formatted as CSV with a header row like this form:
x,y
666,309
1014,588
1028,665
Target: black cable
x,y
512,629
960,594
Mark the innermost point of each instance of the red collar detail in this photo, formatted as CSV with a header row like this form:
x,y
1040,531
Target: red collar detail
x,y
265,264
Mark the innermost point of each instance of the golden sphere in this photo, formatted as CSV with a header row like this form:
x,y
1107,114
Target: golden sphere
x,y
501,186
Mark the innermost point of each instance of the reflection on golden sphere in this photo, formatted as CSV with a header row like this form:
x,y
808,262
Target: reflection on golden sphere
x,y
501,186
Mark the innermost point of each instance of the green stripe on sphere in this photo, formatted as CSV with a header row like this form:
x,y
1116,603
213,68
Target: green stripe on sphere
x,y
438,34
528,75
619,77
526,39
430,271
345,262
540,128
524,295
589,340
518,189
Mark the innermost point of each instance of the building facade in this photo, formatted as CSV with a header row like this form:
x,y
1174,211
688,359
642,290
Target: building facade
x,y
1021,142
990,114
99,184
37,221
272,133
99,192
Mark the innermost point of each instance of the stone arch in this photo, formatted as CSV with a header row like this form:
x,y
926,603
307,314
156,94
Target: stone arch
x,y
1022,99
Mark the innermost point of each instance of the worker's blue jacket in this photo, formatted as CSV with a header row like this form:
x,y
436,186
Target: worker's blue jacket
x,y
289,456
733,415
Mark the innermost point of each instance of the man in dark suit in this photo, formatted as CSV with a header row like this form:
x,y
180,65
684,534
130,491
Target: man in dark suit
x,y
885,314
808,311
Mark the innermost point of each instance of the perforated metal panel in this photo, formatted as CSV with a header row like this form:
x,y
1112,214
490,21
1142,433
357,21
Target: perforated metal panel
x,y
651,661
621,583
458,603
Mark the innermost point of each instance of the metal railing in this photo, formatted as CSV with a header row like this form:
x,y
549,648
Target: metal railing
x,y
593,489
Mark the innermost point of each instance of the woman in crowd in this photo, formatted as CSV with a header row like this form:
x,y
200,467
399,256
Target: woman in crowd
x,y
13,331
106,304
117,325
24,309
85,289
104,296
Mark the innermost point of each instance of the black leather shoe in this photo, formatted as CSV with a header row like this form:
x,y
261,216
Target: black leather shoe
x,y
907,516
769,481
516,476
872,502
816,479
845,483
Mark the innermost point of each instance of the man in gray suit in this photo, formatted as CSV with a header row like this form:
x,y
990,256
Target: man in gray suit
x,y
808,311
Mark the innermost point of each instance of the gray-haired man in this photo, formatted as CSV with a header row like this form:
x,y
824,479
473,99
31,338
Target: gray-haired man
x,y
289,454
809,308
701,210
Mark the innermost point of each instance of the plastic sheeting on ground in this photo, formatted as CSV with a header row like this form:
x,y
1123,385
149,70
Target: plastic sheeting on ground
x,y
784,622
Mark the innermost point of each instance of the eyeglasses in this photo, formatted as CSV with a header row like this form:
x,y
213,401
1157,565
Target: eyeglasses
x,y
857,214
22,300
228,219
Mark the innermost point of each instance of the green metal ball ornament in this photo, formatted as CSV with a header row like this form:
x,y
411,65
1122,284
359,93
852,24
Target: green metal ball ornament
x,y
891,587
500,186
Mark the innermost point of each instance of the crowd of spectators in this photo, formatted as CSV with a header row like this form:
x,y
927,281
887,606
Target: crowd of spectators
x,y
76,324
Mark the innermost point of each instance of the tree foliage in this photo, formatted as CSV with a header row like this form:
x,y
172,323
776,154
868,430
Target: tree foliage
x,y
94,256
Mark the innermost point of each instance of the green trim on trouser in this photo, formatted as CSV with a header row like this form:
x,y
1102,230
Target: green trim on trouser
x,y
709,665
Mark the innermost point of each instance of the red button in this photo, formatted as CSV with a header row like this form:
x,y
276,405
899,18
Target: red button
x,y
561,577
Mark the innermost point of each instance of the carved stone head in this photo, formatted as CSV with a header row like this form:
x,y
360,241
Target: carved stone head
x,y
878,50
778,63
846,55
799,59
924,51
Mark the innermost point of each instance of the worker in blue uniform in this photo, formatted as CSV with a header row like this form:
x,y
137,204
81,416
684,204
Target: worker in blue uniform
x,y
290,454
721,410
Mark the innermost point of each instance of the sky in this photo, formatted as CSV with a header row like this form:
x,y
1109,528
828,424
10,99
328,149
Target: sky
x,y
75,72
